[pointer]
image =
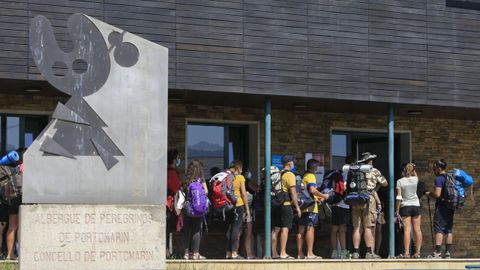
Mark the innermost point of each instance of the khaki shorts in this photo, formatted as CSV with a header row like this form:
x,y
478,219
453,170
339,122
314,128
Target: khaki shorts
x,y
365,214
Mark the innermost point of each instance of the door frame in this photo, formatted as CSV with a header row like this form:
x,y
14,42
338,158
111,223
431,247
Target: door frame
x,y
369,130
255,125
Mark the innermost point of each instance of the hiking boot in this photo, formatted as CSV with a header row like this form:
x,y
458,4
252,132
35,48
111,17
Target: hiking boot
x,y
372,256
356,255
447,255
334,255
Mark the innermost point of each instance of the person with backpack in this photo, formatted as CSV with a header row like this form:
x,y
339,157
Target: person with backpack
x,y
309,220
340,214
194,209
173,186
444,210
408,208
234,219
365,214
282,216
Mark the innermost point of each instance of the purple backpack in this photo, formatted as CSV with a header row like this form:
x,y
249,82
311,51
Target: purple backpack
x,y
196,204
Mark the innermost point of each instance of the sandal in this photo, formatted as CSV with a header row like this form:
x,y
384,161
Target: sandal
x,y
314,257
288,257
416,256
301,257
251,258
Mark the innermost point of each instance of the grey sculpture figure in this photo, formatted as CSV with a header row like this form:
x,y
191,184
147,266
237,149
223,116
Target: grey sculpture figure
x,y
79,128
107,143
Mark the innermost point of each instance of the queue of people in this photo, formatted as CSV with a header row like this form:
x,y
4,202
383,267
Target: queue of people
x,y
352,195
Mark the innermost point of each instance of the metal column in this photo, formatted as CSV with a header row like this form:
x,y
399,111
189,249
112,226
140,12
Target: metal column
x,y
268,157
391,177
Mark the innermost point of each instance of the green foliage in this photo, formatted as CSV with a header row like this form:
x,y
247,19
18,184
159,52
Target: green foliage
x,y
8,266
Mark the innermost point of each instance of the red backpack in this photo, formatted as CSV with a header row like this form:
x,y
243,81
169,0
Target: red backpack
x,y
223,198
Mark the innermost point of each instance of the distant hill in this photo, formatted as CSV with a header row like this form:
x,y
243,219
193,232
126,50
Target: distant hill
x,y
205,149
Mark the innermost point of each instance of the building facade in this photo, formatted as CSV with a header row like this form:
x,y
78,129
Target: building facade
x,y
330,69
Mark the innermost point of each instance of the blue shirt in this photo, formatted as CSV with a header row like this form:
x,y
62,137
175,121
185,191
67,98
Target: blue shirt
x,y
440,183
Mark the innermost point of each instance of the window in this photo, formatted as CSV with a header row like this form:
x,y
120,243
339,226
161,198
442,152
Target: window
x,y
18,131
217,145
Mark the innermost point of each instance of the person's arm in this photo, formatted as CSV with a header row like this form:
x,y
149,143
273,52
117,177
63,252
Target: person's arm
x,y
293,193
243,193
398,200
439,183
317,193
205,188
377,200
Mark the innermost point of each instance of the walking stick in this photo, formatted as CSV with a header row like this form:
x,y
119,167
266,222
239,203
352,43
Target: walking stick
x,y
431,226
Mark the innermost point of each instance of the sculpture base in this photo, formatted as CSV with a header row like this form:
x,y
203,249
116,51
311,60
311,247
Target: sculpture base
x,y
120,237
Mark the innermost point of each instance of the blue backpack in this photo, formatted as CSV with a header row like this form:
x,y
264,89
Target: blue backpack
x,y
196,204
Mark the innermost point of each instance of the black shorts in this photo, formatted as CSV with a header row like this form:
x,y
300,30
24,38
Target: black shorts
x,y
443,220
308,220
340,216
282,217
409,211
14,206
3,213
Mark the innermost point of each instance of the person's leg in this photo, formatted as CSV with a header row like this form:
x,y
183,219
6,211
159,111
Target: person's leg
x,y
196,237
369,220
186,233
417,231
342,231
439,228
449,233
309,239
356,235
286,224
11,232
300,233
378,237
236,229
333,237
368,237
248,240
229,220
275,233
283,241
407,221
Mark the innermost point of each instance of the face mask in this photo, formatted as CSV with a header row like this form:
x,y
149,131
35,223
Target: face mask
x,y
292,167
178,162
248,175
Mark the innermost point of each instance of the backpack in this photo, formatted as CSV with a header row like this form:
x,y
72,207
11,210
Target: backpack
x,y
305,199
196,203
450,193
334,185
357,188
10,183
278,196
223,197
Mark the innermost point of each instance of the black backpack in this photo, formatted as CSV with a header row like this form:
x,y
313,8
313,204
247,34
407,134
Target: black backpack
x,y
450,196
357,188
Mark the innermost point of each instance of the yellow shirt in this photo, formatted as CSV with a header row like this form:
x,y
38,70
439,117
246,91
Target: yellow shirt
x,y
309,180
288,181
237,183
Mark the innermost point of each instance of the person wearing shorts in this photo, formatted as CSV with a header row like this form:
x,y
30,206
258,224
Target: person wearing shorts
x,y
366,215
408,208
443,218
282,217
309,219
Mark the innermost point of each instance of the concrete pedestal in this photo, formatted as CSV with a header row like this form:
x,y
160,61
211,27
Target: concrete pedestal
x,y
120,237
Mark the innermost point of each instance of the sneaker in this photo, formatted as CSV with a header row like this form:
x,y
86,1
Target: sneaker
x,y
435,255
335,255
372,256
356,255
447,255
343,255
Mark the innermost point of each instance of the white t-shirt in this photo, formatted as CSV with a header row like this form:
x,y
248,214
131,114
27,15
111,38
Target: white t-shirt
x,y
408,187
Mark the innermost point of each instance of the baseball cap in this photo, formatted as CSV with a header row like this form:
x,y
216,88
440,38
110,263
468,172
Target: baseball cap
x,y
287,158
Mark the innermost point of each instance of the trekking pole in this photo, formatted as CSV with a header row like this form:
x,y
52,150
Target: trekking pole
x,y
431,225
